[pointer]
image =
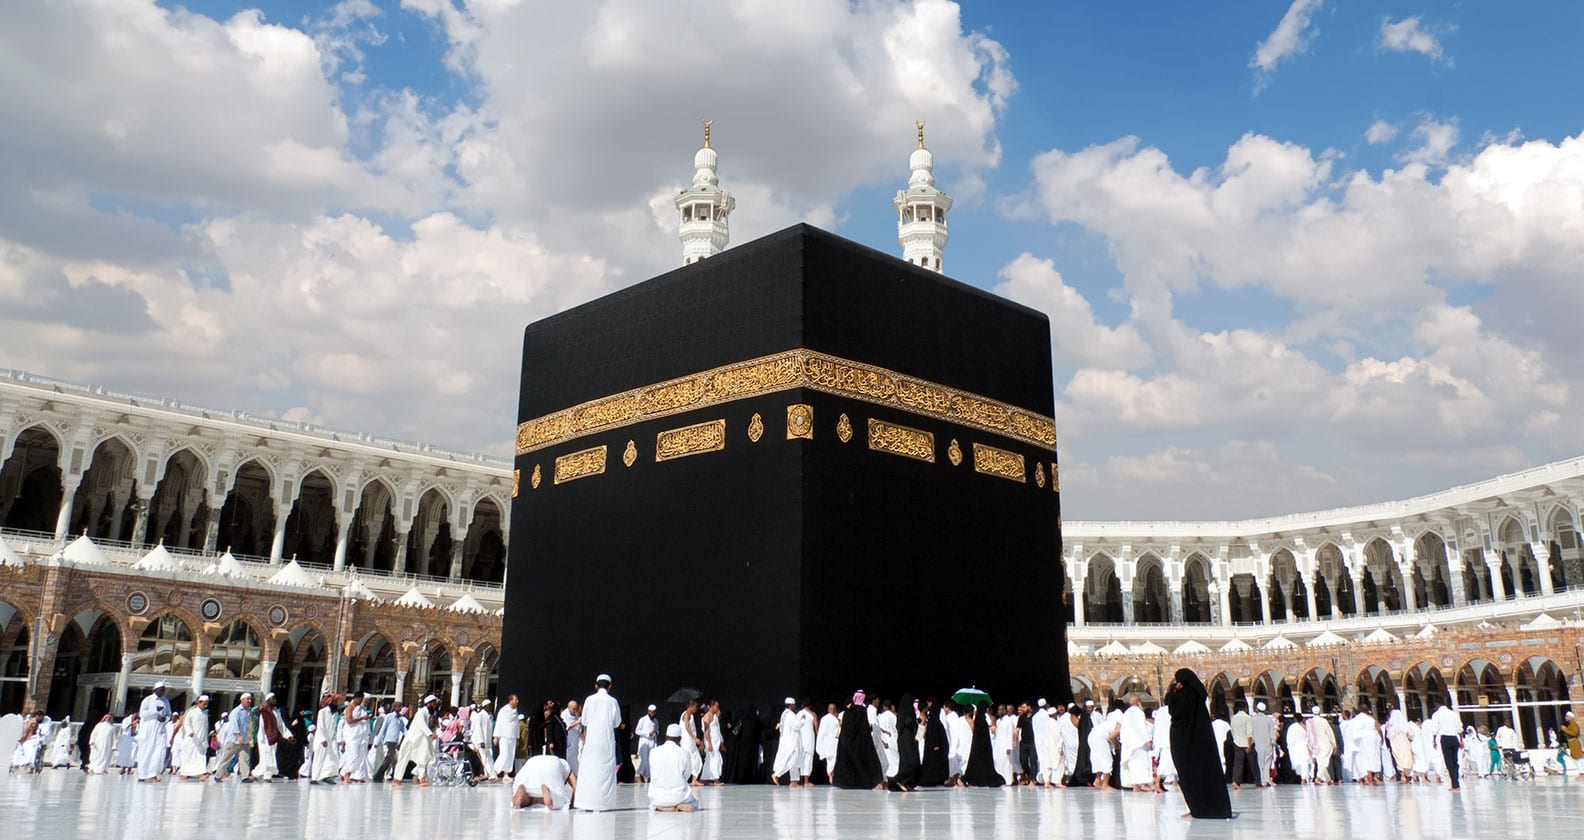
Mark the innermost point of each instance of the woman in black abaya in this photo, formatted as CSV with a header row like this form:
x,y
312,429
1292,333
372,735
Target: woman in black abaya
x,y
857,763
935,767
1194,749
745,749
1082,774
908,768
981,771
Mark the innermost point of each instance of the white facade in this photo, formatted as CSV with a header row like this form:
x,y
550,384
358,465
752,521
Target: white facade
x,y
921,211
705,208
132,472
1507,547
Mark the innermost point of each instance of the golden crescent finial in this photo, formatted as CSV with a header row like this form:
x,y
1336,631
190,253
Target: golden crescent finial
x,y
706,133
920,124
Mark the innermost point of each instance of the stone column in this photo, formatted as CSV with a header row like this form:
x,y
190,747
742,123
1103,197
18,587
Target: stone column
x,y
1309,596
212,533
266,676
1358,591
401,686
456,559
200,670
1455,572
400,566
140,524
1176,605
1264,599
1542,556
1077,596
343,531
118,705
278,545
1410,600
1517,722
1493,565
69,486
1127,606
1223,602
456,688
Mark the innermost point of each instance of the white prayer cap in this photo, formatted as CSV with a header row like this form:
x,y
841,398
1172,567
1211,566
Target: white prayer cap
x,y
1260,706
603,678
429,699
270,696
674,731
1314,710
651,707
790,701
484,702
1088,703
159,685
246,695
202,697
1042,702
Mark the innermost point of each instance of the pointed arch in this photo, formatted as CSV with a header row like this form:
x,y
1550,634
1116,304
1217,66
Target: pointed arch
x,y
1102,591
311,525
30,481
247,518
180,510
1151,595
1198,606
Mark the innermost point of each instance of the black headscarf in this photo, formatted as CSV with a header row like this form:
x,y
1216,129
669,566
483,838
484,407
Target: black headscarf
x,y
1194,749
857,763
745,749
907,743
1083,771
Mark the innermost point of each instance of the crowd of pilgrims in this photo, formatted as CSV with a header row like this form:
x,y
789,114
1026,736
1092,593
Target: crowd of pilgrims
x,y
867,743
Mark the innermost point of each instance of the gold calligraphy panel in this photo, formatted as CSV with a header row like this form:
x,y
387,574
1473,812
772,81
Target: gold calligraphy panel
x,y
998,462
780,372
690,440
580,464
900,440
800,422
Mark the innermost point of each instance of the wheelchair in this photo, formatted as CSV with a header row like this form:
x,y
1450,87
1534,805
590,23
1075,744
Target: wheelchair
x,y
451,769
1517,766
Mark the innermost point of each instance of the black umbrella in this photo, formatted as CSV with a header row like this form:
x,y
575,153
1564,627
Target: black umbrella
x,y
684,695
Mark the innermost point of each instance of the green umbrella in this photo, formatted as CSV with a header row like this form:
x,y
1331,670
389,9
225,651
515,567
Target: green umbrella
x,y
970,697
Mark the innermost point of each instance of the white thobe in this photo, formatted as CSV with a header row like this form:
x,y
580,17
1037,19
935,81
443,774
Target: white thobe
x,y
807,736
1165,765
1366,735
690,744
1001,743
668,787
417,746
886,724
101,742
1220,729
480,729
1067,731
269,763
713,761
151,741
1047,747
1100,749
645,730
506,733
1135,746
1298,751
61,747
959,737
599,758
789,747
827,737
546,771
356,734
1322,743
194,740
327,755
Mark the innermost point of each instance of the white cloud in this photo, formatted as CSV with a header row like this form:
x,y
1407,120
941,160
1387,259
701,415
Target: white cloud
x,y
1076,337
1411,35
1436,140
1292,35
1379,132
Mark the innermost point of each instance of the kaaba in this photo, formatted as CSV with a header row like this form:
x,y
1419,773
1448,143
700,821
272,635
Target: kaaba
x,y
799,467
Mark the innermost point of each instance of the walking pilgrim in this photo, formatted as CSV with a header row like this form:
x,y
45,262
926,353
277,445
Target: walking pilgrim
x,y
1323,743
599,757
1165,764
354,764
235,738
101,743
825,740
645,731
1194,749
272,732
1134,741
153,714
506,733
789,747
418,745
1298,750
857,763
326,766
1263,736
192,742
481,731
808,738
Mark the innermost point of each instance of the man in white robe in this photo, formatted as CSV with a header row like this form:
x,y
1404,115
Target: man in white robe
x,y
1322,745
646,730
669,789
599,756
1220,730
1299,753
1165,765
1047,746
193,736
1134,740
808,731
506,732
828,736
789,747
481,729
960,736
152,739
62,744
1102,747
545,781
890,756
417,746
1071,744
272,730
101,743
1367,740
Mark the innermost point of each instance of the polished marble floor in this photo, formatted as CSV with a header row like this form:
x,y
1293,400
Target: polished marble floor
x,y
65,803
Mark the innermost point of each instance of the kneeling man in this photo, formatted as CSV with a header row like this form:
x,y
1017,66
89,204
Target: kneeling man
x,y
545,780
671,767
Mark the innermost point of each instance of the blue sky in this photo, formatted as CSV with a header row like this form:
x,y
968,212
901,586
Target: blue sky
x,y
1296,254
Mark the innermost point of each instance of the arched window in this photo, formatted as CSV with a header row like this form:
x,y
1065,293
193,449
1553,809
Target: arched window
x,y
378,661
14,673
165,648
236,653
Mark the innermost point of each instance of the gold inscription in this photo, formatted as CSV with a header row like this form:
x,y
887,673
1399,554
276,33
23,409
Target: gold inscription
x,y
630,454
998,462
800,422
1039,474
756,428
690,440
844,429
580,464
536,477
954,453
900,440
783,371
516,479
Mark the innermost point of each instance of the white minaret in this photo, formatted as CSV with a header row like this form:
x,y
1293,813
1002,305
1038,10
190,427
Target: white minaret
x,y
921,211
704,207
